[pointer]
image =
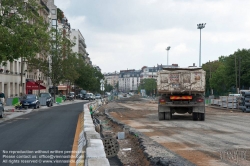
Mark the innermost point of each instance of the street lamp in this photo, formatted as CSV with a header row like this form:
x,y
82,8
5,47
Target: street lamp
x,y
168,48
39,76
200,26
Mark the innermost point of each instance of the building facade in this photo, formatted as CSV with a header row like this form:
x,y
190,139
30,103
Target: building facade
x,y
129,80
80,46
14,74
112,78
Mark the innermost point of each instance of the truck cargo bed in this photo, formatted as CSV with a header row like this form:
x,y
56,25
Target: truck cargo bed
x,y
181,80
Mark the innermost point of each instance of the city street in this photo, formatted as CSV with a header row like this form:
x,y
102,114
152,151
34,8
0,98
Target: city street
x,y
222,139
37,134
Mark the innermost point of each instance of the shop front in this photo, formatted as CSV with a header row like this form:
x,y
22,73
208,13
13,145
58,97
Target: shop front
x,y
63,89
31,85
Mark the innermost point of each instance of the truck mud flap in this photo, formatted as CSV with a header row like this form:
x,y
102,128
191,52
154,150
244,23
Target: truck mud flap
x,y
199,109
163,108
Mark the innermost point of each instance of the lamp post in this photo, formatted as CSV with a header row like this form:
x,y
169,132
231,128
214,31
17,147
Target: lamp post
x,y
168,48
236,87
200,26
39,76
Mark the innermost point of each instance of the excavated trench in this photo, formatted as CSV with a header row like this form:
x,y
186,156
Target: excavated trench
x,y
136,149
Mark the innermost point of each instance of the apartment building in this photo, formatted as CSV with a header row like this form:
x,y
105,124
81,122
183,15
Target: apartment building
x,y
80,46
15,74
112,78
129,80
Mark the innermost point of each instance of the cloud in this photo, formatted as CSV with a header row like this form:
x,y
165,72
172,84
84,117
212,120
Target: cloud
x,y
134,33
63,5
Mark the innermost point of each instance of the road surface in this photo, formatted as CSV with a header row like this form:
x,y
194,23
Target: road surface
x,y
42,136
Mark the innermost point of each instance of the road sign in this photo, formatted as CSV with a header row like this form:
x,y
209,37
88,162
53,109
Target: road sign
x,y
102,81
102,88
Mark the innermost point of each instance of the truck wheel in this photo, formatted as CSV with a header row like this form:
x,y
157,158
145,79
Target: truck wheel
x,y
161,115
202,117
195,116
168,116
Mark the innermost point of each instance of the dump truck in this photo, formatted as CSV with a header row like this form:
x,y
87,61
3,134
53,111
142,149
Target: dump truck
x,y
181,91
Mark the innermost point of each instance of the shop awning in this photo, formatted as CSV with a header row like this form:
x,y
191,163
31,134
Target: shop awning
x,y
62,87
34,86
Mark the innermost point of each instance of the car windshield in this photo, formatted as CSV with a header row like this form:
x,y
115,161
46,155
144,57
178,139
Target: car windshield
x,y
83,91
44,95
29,97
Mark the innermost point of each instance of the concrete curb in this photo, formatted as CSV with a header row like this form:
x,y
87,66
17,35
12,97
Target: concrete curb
x,y
153,151
90,142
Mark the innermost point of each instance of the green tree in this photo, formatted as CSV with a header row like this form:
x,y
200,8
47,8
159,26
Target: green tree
x,y
108,87
149,84
210,68
231,73
59,64
23,32
89,78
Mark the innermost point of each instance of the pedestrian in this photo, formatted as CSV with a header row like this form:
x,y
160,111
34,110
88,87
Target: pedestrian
x,y
2,97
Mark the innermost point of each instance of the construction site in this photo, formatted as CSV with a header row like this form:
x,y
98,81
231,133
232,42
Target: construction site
x,y
222,139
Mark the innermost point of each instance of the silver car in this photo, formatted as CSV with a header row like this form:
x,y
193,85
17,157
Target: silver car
x,y
1,109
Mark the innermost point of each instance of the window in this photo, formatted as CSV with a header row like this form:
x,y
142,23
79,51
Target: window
x,y
54,22
53,11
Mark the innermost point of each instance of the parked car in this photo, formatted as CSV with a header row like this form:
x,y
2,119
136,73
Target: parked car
x,y
124,94
1,109
90,96
70,96
98,96
79,96
83,94
49,98
30,100
107,94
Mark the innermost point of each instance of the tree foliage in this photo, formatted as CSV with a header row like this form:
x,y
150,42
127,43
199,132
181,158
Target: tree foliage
x,y
149,85
229,72
89,78
60,63
108,87
23,33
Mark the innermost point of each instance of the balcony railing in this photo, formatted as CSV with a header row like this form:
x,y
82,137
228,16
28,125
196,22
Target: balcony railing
x,y
45,6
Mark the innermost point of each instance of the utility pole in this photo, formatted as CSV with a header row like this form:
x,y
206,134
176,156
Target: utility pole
x,y
239,73
168,48
210,76
200,26
236,87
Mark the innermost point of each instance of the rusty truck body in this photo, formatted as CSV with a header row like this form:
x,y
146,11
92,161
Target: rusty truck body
x,y
181,91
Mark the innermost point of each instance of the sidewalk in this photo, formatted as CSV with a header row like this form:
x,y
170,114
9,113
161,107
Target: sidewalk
x,y
10,112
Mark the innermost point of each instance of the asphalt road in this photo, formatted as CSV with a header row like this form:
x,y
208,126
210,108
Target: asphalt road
x,y
43,137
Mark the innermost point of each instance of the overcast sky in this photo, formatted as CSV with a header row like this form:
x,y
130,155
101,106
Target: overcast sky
x,y
130,34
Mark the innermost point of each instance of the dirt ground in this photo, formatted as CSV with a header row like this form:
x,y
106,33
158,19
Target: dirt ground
x,y
222,139
130,153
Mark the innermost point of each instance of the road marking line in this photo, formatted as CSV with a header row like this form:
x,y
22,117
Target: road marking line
x,y
75,143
